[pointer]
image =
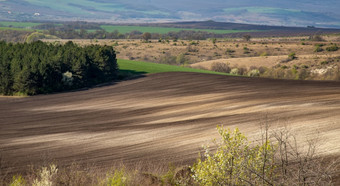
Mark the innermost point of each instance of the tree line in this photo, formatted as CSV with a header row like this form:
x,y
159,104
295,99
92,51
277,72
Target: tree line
x,y
102,34
40,68
80,30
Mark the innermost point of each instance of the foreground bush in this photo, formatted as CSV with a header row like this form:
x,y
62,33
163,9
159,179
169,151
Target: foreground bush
x,y
235,162
279,161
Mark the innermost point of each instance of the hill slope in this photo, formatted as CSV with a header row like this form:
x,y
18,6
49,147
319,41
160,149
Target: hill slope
x,y
163,117
288,13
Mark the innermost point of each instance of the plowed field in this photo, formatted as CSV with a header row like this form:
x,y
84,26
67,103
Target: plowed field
x,y
163,117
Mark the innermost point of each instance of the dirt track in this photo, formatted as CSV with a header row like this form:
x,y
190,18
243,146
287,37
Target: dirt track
x,y
160,118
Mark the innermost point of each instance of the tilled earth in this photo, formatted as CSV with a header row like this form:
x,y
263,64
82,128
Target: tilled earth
x,y
164,117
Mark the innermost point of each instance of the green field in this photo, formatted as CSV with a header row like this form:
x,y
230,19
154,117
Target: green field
x,y
77,6
18,24
138,67
5,25
164,30
18,29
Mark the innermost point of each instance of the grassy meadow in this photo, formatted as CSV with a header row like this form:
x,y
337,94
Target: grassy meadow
x,y
139,67
164,30
18,24
8,25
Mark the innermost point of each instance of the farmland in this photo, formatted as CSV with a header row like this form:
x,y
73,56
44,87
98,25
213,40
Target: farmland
x,y
164,30
124,28
160,118
14,28
18,24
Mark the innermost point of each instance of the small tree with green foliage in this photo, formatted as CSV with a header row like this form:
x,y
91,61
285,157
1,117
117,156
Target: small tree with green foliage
x,y
236,162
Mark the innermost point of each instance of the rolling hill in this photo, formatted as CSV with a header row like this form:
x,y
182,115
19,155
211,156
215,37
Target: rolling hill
x,y
162,117
287,13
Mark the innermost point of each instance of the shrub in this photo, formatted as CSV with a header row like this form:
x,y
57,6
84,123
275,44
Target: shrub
x,y
220,67
235,162
324,62
181,59
146,36
242,70
292,56
320,45
168,59
17,181
192,49
35,36
213,40
284,67
246,37
318,49
332,48
229,51
316,38
305,66
264,54
262,69
194,43
115,44
46,175
254,73
119,178
234,71
246,50
303,74
276,160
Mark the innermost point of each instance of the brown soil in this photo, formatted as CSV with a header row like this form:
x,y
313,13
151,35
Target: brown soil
x,y
160,118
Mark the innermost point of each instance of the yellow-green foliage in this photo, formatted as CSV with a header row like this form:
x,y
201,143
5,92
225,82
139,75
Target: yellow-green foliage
x,y
254,73
119,178
35,36
264,54
45,176
168,178
236,162
234,71
18,181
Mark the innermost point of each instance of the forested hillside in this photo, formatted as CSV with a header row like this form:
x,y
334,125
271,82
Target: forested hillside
x,y
36,68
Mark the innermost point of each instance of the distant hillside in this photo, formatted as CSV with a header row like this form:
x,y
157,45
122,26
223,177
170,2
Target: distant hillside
x,y
253,30
266,12
228,26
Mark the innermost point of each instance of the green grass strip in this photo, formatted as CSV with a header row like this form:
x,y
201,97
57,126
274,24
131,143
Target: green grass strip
x,y
138,67
18,24
164,30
